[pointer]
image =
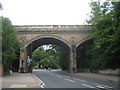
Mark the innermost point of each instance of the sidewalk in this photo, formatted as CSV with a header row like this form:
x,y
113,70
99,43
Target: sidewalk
x,y
20,80
99,76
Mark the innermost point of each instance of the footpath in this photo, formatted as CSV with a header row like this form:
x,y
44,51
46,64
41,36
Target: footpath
x,y
20,80
111,78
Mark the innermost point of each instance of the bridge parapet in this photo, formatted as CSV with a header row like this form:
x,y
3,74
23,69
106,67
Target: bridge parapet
x,y
52,27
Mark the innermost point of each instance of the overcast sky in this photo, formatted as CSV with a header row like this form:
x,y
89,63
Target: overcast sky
x,y
46,12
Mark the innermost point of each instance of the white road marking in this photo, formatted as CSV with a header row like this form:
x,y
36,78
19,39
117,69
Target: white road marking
x,y
58,76
103,85
75,78
69,80
100,87
88,86
81,80
66,76
41,82
42,86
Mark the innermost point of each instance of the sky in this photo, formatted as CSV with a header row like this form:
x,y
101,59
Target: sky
x,y
46,12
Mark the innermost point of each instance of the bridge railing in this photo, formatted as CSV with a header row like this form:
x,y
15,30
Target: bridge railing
x,y
52,27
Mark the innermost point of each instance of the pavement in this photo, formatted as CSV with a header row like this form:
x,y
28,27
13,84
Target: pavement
x,y
20,80
104,77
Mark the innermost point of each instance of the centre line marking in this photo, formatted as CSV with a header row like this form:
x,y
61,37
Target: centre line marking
x,y
100,87
69,80
75,78
103,85
88,86
81,80
58,76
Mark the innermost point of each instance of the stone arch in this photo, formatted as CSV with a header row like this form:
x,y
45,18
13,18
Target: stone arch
x,y
45,39
83,41
42,40
47,36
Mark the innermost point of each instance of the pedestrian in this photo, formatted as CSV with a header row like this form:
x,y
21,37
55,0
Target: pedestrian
x,y
29,64
28,60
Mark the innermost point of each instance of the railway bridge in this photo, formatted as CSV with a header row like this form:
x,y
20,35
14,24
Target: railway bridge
x,y
67,36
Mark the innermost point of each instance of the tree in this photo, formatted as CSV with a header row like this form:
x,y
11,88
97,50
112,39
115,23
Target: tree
x,y
10,44
105,51
36,56
61,56
54,57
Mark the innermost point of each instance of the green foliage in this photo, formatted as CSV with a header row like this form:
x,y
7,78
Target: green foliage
x,y
61,56
10,43
105,51
53,57
37,55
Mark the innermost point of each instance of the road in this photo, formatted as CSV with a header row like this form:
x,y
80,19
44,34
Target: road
x,y
60,79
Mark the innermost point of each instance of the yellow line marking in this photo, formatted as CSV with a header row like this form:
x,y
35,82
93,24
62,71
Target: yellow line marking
x,y
18,86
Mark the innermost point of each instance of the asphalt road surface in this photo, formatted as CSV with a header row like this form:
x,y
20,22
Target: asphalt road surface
x,y
60,79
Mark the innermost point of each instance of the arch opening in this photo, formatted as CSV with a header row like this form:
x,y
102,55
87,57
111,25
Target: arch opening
x,y
47,41
83,58
50,57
